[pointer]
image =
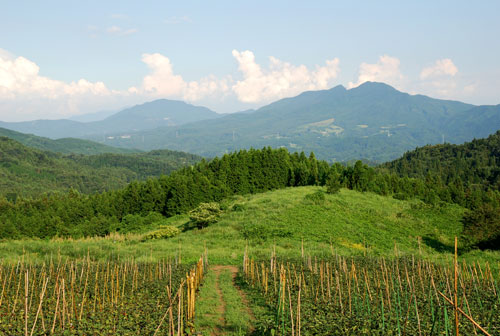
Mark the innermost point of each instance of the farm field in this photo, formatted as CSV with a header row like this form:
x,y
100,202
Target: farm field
x,y
85,297
369,265
374,296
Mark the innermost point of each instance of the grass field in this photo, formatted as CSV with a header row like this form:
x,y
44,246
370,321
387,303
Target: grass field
x,y
350,223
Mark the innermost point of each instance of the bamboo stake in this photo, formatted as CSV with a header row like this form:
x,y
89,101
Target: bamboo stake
x,y
40,305
55,313
464,314
26,292
456,297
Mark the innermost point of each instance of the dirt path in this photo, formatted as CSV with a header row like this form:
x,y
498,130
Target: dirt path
x,y
221,308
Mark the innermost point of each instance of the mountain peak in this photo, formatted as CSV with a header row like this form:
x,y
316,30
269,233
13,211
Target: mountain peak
x,y
375,85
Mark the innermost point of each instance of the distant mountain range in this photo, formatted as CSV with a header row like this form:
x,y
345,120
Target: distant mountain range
x,y
373,121
147,116
63,145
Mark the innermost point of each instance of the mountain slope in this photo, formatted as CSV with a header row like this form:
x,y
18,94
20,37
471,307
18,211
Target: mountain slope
x,y
30,172
150,115
373,121
472,163
65,145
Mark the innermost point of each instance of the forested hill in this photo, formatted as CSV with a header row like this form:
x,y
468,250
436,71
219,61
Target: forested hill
x,y
475,163
28,172
64,145
373,121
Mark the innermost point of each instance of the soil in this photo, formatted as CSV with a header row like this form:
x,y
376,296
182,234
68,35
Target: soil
x,y
221,308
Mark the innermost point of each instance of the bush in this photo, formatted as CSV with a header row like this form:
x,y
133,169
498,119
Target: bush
x,y
163,232
205,214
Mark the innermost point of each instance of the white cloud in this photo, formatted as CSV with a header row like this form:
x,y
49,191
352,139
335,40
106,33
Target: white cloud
x,y
443,67
439,79
282,79
162,82
20,76
25,94
385,70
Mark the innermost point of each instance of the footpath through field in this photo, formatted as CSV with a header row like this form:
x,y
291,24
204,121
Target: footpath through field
x,y
222,307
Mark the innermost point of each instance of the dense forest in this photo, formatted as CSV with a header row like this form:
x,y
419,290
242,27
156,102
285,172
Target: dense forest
x,y
470,171
74,214
28,172
473,164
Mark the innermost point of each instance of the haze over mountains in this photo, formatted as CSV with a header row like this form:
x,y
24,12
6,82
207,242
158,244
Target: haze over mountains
x,y
146,116
373,121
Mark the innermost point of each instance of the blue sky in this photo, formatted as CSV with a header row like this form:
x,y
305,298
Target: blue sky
x,y
62,58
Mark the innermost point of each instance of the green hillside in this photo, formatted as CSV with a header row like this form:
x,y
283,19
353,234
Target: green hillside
x,y
350,222
27,172
373,121
64,145
475,163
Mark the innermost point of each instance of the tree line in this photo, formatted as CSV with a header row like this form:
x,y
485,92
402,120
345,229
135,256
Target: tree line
x,y
244,172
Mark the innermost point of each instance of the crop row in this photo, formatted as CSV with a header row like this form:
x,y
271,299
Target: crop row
x,y
85,297
368,296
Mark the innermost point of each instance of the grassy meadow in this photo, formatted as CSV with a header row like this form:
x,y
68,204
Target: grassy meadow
x,y
290,221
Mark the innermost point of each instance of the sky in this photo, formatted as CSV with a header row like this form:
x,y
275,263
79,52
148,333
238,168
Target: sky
x,y
64,58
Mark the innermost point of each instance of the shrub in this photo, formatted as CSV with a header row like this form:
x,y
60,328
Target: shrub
x,y
164,232
205,214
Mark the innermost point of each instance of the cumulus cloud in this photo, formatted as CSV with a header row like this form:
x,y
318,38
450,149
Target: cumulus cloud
x,y
443,67
25,93
162,81
20,76
439,79
282,79
385,70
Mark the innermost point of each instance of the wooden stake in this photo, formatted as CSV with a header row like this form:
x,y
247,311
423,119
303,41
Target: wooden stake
x,y
456,297
464,314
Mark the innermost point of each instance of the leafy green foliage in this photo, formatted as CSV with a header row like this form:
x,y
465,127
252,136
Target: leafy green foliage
x,y
138,223
468,175
333,184
367,296
238,173
27,172
163,232
482,227
205,214
143,292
